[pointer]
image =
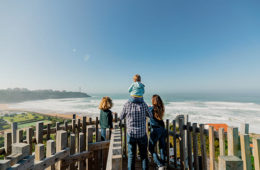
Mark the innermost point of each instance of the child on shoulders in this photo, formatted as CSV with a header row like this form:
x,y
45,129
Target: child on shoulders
x,y
136,90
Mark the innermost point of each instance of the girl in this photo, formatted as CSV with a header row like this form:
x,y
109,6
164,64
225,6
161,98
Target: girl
x,y
158,132
106,117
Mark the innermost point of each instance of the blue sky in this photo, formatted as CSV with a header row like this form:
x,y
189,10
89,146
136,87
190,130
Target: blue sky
x,y
98,45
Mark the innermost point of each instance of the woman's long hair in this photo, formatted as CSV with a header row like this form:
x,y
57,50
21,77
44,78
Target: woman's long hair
x,y
158,107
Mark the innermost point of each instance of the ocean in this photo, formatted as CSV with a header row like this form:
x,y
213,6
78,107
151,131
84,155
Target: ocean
x,y
232,109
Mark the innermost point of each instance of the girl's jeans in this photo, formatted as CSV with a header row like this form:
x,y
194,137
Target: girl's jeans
x,y
158,134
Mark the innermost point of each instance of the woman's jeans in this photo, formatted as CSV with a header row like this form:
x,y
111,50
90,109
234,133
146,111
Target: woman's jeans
x,y
142,145
103,134
158,134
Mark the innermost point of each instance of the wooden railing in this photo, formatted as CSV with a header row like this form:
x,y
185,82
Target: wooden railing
x,y
77,146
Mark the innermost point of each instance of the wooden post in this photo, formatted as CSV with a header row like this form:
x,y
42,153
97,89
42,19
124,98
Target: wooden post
x,y
74,116
8,143
245,151
39,152
39,132
72,149
168,142
211,148
221,141
186,119
203,148
125,139
77,134
97,129
233,141
82,164
189,145
256,144
116,117
84,130
19,138
66,125
90,131
182,144
174,143
29,135
48,131
73,125
195,146
230,163
244,128
50,151
57,126
14,130
61,143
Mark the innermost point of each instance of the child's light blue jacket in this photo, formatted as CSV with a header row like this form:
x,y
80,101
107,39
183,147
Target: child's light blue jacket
x,y
136,89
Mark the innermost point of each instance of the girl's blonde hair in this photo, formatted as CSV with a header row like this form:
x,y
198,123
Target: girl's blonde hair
x,y
158,107
106,103
137,78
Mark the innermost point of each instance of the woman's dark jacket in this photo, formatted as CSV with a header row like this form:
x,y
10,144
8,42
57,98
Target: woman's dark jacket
x,y
155,123
106,119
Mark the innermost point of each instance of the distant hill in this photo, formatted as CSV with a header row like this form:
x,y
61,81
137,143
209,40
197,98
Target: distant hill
x,y
22,94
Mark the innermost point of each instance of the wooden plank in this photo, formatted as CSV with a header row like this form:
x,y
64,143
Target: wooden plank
x,y
72,149
77,134
97,129
233,141
77,157
57,126
48,131
14,131
203,148
90,161
189,146
221,142
174,143
8,143
39,152
167,142
19,137
50,151
73,125
29,140
182,144
61,143
256,144
39,132
244,128
245,151
82,163
230,163
84,130
211,148
195,146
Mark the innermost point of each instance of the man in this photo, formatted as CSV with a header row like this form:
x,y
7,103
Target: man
x,y
135,114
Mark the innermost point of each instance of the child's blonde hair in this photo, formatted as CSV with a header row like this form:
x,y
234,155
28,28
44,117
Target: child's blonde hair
x,y
137,78
106,103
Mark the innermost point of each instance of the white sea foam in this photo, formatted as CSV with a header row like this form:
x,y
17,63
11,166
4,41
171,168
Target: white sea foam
x,y
232,113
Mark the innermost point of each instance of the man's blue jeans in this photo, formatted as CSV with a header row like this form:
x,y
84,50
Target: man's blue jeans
x,y
158,134
142,144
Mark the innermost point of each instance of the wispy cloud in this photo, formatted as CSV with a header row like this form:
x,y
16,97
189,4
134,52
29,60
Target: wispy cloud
x,y
74,50
86,58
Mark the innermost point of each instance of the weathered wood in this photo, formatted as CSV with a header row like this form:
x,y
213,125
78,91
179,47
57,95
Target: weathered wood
x,y
244,128
5,164
221,142
97,129
19,138
245,151
230,163
189,146
48,131
77,134
174,143
39,132
89,137
233,141
73,125
211,148
74,116
167,142
50,151
82,163
8,143
84,129
182,144
72,149
66,128
14,131
40,165
57,126
61,143
195,146
77,157
39,152
29,136
256,144
203,147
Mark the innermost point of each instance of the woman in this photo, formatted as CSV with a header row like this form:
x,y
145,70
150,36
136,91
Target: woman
x,y
106,118
158,132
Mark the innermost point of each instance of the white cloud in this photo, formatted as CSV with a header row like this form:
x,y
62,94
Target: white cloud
x,y
86,58
74,50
